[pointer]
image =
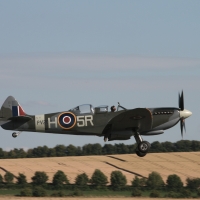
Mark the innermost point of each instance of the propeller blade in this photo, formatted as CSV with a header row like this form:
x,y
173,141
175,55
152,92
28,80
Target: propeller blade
x,y
184,125
181,124
181,101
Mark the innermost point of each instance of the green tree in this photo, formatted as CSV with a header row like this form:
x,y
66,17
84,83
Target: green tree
x,y
82,179
174,183
26,192
40,178
136,192
183,146
21,179
60,150
92,149
156,147
193,184
1,179
8,177
195,145
121,148
71,150
118,180
98,178
154,194
108,149
2,153
138,182
59,179
168,146
155,181
39,192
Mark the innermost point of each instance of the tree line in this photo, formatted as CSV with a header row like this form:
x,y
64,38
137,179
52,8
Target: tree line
x,y
98,149
153,184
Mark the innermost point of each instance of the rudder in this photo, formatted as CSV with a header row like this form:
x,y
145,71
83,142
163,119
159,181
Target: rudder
x,y
11,108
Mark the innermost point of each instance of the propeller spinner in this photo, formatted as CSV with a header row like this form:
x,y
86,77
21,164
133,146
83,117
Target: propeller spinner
x,y
183,113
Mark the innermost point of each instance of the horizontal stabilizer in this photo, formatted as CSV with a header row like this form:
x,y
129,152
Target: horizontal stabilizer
x,y
4,122
20,119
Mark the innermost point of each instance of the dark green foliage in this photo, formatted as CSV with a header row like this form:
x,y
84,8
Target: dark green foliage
x,y
16,153
157,147
76,192
198,192
92,149
21,179
2,153
193,184
183,146
60,150
40,178
136,192
186,193
26,192
39,192
155,181
108,149
58,194
174,183
139,182
1,179
97,149
8,177
99,178
118,180
154,194
195,145
82,179
59,179
71,150
173,194
121,148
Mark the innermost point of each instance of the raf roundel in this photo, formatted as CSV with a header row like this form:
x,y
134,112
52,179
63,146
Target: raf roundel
x,y
66,120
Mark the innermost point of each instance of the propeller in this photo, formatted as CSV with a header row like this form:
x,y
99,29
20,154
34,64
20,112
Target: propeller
x,y
181,101
181,106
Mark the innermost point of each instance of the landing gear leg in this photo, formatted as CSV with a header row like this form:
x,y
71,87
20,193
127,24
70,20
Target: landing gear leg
x,y
143,146
15,134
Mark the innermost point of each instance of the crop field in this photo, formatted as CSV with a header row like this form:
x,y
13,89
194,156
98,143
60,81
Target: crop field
x,y
183,164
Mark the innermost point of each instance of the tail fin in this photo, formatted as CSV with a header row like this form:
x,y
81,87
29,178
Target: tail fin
x,y
11,108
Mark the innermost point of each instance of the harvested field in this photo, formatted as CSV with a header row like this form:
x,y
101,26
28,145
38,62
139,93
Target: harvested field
x,y
183,164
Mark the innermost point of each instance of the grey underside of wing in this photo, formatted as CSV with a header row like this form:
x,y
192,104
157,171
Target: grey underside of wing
x,y
139,119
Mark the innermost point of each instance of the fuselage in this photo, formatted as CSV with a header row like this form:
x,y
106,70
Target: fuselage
x,y
92,123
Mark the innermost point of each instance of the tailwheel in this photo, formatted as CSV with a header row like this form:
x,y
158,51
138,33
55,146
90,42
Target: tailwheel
x,y
143,146
14,134
140,154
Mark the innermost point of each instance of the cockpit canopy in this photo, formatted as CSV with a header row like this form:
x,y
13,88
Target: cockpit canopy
x,y
88,108
82,109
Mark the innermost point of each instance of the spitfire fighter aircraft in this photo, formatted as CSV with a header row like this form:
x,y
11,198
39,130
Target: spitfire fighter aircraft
x,y
85,119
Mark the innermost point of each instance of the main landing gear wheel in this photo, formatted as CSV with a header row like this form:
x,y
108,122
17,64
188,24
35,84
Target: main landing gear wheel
x,y
143,147
140,154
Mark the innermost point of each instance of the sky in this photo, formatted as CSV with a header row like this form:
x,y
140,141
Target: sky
x,y
55,55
